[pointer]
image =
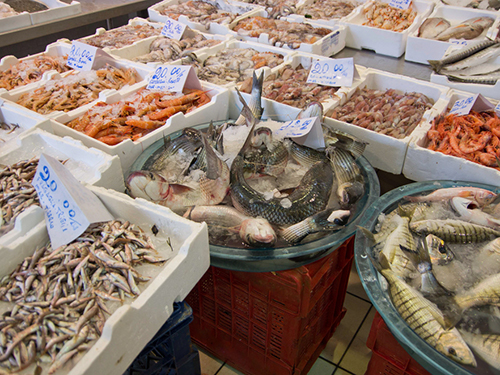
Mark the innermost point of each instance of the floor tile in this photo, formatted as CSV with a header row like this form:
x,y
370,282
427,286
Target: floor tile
x,y
356,311
321,367
228,370
355,287
208,363
341,371
358,355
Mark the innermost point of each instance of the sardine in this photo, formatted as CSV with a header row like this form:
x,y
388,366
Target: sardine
x,y
455,231
487,346
477,58
466,210
486,292
461,54
481,196
432,27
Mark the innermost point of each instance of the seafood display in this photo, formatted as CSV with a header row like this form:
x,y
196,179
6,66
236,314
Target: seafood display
x,y
439,253
234,65
326,9
476,4
473,137
267,177
122,36
439,28
289,86
383,16
137,115
59,299
31,70
165,49
389,112
281,32
16,192
76,89
6,11
475,63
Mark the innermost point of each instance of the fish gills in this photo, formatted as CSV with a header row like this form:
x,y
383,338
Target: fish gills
x,y
454,231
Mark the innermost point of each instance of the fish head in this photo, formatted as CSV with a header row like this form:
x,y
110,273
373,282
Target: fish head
x,y
313,109
339,217
257,232
462,206
349,193
485,197
451,344
439,252
262,136
148,185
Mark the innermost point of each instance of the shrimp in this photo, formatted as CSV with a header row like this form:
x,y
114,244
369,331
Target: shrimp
x,y
168,112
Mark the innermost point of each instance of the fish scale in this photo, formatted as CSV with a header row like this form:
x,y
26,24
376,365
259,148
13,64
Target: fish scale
x,y
455,231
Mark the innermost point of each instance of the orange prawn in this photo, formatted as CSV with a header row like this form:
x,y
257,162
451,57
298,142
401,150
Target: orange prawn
x,y
189,98
168,112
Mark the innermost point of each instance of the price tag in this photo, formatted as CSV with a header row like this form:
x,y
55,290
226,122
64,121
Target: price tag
x,y
400,4
173,29
497,109
304,131
329,42
476,102
459,42
85,57
174,78
69,207
332,72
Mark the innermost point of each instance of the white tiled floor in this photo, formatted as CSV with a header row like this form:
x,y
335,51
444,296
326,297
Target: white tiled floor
x,y
346,352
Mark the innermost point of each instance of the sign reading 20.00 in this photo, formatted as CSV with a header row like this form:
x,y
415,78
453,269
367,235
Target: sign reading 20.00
x,y
332,72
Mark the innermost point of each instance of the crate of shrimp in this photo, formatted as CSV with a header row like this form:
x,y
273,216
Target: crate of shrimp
x,y
383,110
99,288
457,146
321,12
383,28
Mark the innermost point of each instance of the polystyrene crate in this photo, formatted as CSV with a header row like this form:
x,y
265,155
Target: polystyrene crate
x,y
170,351
388,357
19,121
385,152
422,49
132,325
384,42
57,9
271,323
15,22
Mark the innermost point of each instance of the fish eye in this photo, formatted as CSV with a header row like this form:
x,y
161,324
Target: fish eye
x,y
452,351
151,175
442,249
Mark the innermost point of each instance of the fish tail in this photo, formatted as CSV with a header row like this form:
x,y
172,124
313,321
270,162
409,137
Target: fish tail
x,y
256,95
297,232
435,65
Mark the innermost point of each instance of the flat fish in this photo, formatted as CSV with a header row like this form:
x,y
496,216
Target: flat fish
x,y
455,231
432,27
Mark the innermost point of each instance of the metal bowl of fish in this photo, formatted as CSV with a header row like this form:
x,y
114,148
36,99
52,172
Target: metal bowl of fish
x,y
246,245
428,256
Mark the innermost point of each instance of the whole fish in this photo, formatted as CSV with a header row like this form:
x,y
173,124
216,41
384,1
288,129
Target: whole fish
x,y
489,79
348,174
265,156
455,231
439,252
432,27
462,31
347,142
486,292
481,196
486,345
466,210
478,70
477,58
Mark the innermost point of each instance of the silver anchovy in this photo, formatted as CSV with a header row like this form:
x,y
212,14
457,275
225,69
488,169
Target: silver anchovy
x,y
455,231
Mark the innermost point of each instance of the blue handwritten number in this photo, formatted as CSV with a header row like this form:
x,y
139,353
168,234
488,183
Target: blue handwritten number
x,y
47,172
317,68
65,204
53,185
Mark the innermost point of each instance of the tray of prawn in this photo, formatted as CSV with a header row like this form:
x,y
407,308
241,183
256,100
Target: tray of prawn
x,y
307,37
382,28
124,124
447,26
115,282
20,209
56,9
16,73
456,147
383,109
211,16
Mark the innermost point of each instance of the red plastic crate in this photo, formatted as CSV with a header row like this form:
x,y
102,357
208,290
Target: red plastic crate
x,y
388,357
271,323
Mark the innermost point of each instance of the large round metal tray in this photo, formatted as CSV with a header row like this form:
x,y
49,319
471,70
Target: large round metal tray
x,y
282,258
427,356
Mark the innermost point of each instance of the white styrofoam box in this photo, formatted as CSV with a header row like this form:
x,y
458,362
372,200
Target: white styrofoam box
x,y
384,42
324,22
133,324
13,115
15,22
421,49
57,9
422,164
241,9
329,45
385,152
129,150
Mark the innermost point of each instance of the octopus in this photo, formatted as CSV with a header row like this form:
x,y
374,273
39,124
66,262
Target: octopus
x,y
122,36
383,16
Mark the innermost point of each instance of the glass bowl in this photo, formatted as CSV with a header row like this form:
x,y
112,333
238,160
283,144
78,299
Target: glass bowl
x,y
282,258
425,354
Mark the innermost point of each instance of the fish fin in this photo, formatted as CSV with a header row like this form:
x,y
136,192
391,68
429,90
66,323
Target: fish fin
x,y
435,65
369,235
384,262
212,160
255,104
413,255
179,189
251,122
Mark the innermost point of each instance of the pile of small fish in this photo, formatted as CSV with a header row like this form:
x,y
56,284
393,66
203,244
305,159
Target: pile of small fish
x,y
383,16
16,192
389,112
439,254
31,70
122,36
7,11
234,65
475,137
193,173
474,63
137,115
281,32
476,4
326,9
440,29
165,49
76,89
8,128
202,12
289,86
59,297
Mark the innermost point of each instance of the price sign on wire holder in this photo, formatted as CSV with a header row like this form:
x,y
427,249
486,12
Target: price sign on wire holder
x,y
85,57
69,207
174,78
173,29
475,102
333,72
400,4
304,131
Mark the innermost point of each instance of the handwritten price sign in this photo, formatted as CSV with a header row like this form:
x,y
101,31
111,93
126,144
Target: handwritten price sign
x,y
174,78
81,56
463,106
173,29
332,72
69,207
459,42
400,4
305,131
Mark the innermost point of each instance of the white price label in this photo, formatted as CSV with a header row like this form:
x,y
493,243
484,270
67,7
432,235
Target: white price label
x,y
463,106
305,131
400,4
173,29
174,78
329,42
497,109
81,56
332,72
69,207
